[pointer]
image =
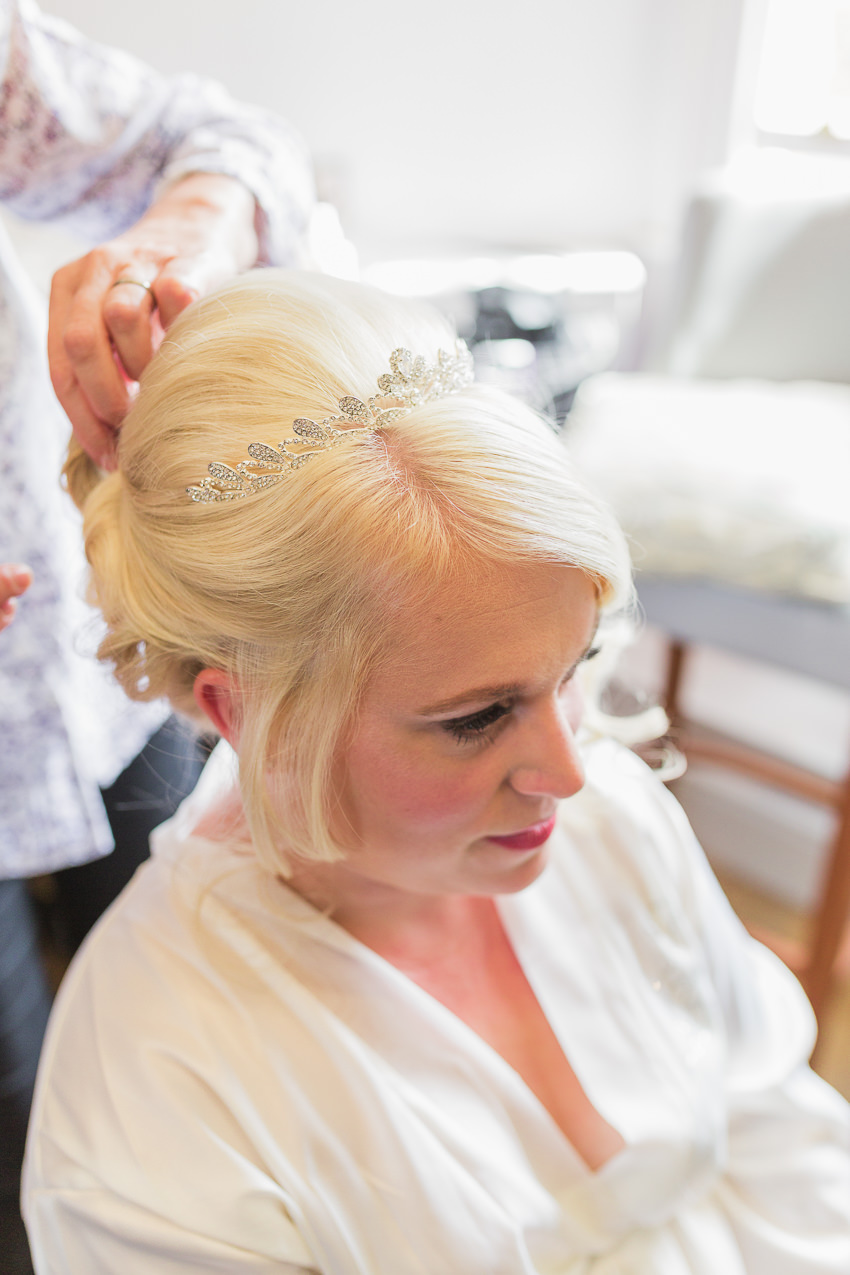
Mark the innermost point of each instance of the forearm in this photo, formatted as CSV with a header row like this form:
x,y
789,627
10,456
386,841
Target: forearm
x,y
113,135
214,211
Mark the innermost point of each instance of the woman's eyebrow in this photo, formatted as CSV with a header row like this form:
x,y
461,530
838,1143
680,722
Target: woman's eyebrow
x,y
472,696
477,694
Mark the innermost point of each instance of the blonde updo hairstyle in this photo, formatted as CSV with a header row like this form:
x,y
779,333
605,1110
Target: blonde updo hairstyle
x,y
293,592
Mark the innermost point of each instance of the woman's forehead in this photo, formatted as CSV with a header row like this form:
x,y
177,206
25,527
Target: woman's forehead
x,y
494,627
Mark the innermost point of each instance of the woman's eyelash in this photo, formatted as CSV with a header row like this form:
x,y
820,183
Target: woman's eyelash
x,y
467,728
477,723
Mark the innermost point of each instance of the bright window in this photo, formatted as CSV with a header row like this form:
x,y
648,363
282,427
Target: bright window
x,y
803,85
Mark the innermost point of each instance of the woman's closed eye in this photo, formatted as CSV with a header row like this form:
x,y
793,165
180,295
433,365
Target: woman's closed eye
x,y
476,724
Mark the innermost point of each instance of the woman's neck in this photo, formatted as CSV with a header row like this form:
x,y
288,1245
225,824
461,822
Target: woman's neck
x,y
401,926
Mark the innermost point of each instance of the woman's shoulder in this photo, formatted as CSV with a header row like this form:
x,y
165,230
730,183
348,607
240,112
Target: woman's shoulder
x,y
155,966
145,1090
141,973
154,1036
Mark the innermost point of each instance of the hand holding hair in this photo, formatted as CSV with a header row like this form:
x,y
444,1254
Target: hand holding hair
x,y
108,309
14,580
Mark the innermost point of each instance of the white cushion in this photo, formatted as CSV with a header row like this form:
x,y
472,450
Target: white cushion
x,y
744,482
765,273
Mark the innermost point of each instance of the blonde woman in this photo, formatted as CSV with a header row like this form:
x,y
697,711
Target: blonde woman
x,y
435,982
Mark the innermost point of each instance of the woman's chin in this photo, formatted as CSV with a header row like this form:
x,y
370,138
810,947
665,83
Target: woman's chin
x,y
522,873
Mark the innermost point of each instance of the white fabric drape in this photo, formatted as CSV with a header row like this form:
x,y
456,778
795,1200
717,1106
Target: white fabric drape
x,y
233,1082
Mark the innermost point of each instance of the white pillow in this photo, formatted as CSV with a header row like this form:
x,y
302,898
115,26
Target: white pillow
x,y
745,482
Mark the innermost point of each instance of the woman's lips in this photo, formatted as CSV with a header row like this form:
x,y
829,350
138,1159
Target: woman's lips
x,y
528,838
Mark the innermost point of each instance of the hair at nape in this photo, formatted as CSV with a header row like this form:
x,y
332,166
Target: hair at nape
x,y
293,591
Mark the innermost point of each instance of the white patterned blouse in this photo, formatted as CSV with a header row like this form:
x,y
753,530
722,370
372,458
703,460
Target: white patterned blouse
x,y
88,136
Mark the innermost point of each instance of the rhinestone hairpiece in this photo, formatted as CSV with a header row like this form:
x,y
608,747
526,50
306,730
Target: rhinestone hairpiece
x,y
410,381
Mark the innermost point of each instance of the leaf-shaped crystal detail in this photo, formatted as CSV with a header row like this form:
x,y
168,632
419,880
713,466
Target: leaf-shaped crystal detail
x,y
224,474
354,410
309,429
401,362
265,455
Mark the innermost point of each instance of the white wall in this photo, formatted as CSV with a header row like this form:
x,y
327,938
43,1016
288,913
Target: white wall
x,y
543,122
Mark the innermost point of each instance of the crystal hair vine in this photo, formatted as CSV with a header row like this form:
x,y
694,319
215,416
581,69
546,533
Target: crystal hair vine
x,y
411,381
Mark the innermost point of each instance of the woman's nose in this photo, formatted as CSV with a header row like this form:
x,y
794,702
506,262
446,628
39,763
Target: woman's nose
x,y
548,762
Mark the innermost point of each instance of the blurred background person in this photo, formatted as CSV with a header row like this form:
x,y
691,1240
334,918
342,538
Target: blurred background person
x,y
182,187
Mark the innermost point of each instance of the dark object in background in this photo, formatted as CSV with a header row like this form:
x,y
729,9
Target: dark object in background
x,y
143,796
519,341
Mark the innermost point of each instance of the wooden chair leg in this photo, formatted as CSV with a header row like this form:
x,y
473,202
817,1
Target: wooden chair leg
x,y
833,910
676,655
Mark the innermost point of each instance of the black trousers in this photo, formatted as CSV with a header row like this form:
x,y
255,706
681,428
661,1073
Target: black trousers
x,y
145,794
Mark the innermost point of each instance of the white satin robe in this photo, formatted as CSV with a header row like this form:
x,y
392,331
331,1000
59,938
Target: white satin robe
x,y
232,1083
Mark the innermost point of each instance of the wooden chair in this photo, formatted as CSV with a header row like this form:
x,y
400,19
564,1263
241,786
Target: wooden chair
x,y
747,547
810,639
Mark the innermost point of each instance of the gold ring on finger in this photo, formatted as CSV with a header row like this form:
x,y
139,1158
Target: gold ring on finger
x,y
140,283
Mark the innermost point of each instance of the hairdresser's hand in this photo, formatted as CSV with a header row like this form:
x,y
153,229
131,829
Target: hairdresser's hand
x,y
14,581
103,332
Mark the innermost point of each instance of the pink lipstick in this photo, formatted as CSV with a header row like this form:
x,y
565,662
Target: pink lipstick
x,y
528,838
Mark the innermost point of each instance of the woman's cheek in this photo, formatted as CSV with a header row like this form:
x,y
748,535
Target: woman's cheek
x,y
453,801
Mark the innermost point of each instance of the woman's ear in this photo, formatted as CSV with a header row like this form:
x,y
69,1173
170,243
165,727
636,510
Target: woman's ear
x,y
216,697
